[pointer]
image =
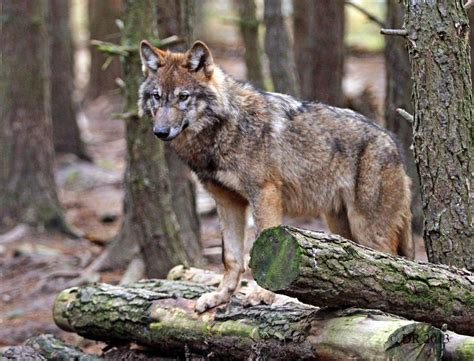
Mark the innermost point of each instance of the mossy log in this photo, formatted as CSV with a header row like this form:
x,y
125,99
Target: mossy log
x,y
160,314
458,347
52,348
328,270
46,347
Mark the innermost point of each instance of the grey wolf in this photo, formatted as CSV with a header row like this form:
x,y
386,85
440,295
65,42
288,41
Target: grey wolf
x,y
277,155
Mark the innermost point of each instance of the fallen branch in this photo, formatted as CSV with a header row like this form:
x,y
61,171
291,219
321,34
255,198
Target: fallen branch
x,y
160,314
328,270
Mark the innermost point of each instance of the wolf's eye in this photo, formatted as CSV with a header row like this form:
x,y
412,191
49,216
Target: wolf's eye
x,y
183,96
156,96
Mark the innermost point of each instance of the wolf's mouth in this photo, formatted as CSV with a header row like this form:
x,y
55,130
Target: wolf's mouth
x,y
176,131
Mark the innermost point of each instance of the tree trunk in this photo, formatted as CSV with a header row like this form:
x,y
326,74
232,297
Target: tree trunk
x,y
66,134
319,49
159,205
27,187
278,46
177,18
248,24
398,95
471,36
102,17
439,54
150,218
328,270
159,314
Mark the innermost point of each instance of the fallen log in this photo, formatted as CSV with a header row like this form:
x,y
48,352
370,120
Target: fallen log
x,y
160,314
458,347
52,348
327,270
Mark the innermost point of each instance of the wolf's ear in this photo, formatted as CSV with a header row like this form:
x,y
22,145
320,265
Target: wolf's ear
x,y
200,58
152,58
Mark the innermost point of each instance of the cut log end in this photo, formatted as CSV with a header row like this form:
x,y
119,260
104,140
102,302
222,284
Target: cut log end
x,y
275,259
62,300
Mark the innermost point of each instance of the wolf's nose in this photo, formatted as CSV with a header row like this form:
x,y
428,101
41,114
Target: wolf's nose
x,y
162,132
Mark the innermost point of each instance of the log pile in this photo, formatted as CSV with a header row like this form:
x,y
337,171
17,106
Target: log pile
x,y
359,289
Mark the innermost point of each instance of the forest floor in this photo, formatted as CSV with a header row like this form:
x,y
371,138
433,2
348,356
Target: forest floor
x,y
35,266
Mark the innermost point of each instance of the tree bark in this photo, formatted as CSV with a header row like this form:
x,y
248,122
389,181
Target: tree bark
x,y
278,46
248,25
328,270
438,43
102,17
471,37
66,134
319,49
27,187
150,218
398,95
159,314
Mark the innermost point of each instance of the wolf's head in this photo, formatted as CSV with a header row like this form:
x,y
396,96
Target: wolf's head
x,y
175,91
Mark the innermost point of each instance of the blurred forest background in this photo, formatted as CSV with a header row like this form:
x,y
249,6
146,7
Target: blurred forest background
x,y
85,223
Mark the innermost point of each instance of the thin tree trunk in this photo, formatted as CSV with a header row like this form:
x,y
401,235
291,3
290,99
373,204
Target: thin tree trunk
x,y
156,179
438,46
160,314
150,217
398,95
328,270
177,18
471,36
27,187
319,49
278,46
66,134
249,24
102,17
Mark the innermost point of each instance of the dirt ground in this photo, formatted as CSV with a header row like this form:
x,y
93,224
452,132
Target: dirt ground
x,y
35,265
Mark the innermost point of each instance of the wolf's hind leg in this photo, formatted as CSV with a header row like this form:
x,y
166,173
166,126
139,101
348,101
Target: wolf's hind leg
x,y
381,217
372,232
231,210
338,223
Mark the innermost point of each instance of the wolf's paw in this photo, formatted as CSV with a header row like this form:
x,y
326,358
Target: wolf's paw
x,y
211,299
258,296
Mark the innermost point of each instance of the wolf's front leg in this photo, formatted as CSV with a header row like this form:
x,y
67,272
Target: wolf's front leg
x,y
267,211
231,210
